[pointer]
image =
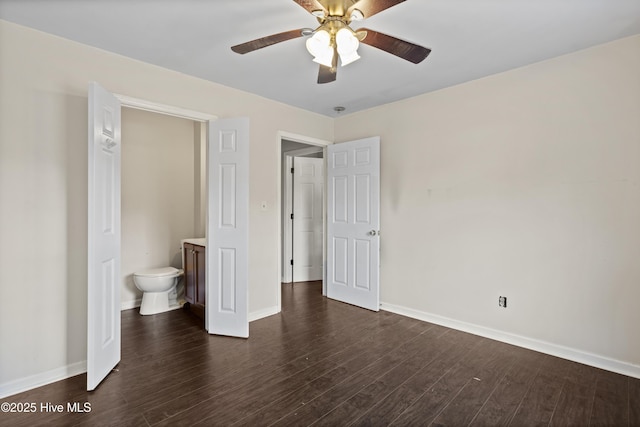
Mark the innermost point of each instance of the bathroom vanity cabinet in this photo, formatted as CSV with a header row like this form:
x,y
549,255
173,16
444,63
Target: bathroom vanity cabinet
x,y
194,274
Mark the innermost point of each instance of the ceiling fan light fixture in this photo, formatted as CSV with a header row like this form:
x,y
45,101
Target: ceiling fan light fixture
x,y
320,47
320,41
325,59
347,44
356,15
349,58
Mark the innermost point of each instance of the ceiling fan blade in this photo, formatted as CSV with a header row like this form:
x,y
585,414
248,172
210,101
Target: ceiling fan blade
x,y
400,48
329,74
326,74
371,7
310,5
266,41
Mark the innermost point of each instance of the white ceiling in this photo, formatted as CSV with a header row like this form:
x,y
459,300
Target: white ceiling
x,y
469,39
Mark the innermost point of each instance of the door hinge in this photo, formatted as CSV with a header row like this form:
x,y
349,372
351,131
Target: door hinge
x,y
291,216
291,262
291,170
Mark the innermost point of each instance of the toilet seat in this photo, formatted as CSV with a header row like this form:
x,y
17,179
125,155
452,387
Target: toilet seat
x,y
159,272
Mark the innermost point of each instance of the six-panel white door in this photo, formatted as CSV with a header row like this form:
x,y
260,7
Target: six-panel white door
x,y
103,251
227,268
308,184
353,222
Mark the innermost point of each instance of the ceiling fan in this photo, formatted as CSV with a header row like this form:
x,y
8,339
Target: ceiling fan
x,y
334,37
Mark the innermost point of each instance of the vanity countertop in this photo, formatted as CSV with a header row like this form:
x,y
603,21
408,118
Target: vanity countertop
x,y
200,241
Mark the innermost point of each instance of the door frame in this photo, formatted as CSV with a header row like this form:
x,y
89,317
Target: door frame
x,y
287,195
167,110
284,135
183,113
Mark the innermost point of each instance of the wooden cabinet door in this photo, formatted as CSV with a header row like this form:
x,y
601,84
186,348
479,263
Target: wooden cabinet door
x,y
189,273
200,256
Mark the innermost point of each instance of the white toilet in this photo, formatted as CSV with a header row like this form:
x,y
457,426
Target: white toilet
x,y
159,288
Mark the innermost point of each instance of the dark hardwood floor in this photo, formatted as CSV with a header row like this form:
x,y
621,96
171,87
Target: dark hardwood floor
x,y
326,363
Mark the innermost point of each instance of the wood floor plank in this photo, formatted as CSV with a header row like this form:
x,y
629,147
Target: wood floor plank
x,y
228,410
257,371
611,400
499,409
576,398
634,401
435,399
262,363
464,407
358,404
373,365
453,346
284,405
218,361
540,401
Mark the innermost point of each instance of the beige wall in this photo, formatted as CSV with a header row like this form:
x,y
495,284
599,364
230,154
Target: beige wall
x,y
524,184
43,188
158,193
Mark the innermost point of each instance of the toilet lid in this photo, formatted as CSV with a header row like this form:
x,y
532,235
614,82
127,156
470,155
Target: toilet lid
x,y
159,272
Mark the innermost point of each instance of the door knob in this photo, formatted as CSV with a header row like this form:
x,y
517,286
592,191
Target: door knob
x,y
372,233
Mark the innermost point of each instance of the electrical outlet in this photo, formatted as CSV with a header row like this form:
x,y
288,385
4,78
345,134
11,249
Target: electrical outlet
x,y
502,302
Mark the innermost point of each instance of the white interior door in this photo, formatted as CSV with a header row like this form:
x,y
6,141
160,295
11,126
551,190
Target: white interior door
x,y
308,183
103,281
227,268
353,222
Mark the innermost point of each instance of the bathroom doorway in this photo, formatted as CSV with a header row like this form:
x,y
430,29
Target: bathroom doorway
x,y
163,192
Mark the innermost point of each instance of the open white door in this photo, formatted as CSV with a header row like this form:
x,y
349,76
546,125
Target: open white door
x,y
353,222
103,286
227,270
308,184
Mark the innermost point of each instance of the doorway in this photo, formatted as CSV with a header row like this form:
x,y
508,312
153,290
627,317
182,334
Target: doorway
x,y
227,207
163,194
350,263
301,202
302,208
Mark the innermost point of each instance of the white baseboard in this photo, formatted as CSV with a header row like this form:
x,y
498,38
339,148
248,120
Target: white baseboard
x,y
261,314
23,384
575,355
128,305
